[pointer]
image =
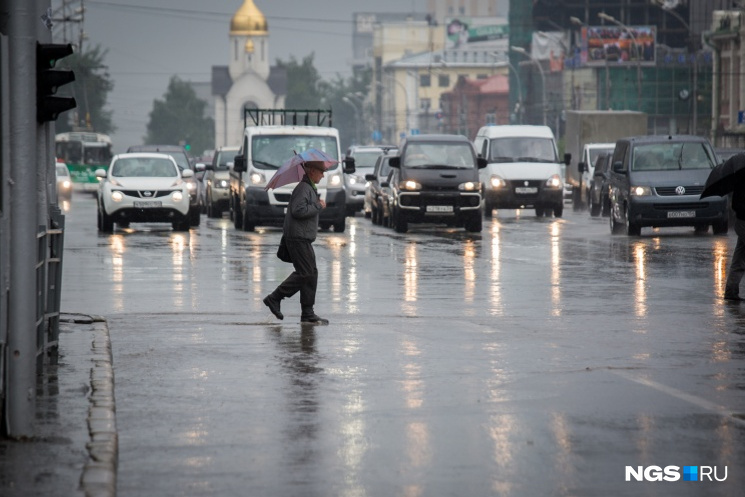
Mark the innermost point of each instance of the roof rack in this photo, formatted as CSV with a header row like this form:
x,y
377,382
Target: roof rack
x,y
294,117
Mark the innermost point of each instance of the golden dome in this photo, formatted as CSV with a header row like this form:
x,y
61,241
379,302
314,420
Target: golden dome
x,y
248,21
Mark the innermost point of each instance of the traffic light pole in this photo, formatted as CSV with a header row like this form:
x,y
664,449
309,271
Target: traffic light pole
x,y
21,397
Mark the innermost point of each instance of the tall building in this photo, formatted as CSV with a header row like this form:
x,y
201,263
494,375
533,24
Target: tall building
x,y
248,80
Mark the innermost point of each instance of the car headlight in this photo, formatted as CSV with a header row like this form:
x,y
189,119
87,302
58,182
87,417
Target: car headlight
x,y
223,183
257,179
410,185
190,185
497,182
354,179
117,196
554,182
66,185
470,186
641,191
334,180
177,196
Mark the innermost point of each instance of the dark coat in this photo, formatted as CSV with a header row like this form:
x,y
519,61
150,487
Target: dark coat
x,y
301,220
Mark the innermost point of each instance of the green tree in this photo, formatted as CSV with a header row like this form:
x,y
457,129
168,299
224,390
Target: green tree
x,y
179,119
91,90
303,84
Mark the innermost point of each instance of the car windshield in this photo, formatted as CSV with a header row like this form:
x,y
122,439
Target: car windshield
x,y
385,168
271,151
366,158
62,170
672,156
441,155
595,153
144,167
223,158
522,149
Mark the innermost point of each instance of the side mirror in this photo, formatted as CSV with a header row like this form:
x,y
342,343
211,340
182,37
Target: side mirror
x,y
581,167
239,164
567,158
385,184
348,165
209,167
481,163
199,167
618,167
187,173
100,173
370,177
395,162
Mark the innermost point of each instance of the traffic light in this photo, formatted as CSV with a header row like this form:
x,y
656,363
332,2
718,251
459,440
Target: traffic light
x,y
48,79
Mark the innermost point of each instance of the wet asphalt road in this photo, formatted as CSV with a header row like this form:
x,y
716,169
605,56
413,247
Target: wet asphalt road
x,y
540,357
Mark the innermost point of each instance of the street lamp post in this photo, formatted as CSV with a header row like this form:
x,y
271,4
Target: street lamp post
x,y
694,93
406,102
621,25
524,52
347,101
519,109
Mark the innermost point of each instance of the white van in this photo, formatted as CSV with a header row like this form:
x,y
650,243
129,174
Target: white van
x,y
523,169
265,147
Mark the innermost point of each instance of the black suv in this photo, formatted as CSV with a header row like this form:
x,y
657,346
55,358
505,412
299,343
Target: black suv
x,y
657,181
437,182
183,160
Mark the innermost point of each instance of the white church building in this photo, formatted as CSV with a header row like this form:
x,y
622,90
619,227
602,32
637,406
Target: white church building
x,y
248,80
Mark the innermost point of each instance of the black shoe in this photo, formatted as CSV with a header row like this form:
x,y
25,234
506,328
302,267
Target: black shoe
x,y
313,319
273,305
735,298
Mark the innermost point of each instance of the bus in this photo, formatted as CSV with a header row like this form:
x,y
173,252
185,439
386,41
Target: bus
x,y
83,152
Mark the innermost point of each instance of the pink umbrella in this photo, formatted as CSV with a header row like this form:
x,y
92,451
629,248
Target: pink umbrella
x,y
292,170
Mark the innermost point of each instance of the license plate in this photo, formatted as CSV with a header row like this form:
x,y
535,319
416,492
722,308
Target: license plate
x,y
439,208
147,204
526,189
679,214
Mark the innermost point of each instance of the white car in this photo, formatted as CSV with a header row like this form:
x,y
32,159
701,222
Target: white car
x,y
143,188
64,183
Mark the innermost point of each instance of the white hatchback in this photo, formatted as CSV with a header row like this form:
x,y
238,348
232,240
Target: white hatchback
x,y
143,188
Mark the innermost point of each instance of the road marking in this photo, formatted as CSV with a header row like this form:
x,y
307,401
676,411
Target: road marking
x,y
692,399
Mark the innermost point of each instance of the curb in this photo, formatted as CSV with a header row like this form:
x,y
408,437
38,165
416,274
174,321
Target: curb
x,y
99,473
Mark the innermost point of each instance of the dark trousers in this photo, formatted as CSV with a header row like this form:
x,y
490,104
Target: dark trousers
x,y
305,277
737,266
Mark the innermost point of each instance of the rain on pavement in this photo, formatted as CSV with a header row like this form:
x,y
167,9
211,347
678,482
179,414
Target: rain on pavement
x,y
539,357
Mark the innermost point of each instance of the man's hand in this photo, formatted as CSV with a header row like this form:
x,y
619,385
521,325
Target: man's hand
x,y
323,203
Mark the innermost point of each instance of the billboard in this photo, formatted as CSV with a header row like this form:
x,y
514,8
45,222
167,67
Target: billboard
x,y
602,45
488,33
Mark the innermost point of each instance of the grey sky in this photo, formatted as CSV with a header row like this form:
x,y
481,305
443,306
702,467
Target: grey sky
x,y
151,40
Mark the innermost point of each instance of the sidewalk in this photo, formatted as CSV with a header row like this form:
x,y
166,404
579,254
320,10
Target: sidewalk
x,y
74,451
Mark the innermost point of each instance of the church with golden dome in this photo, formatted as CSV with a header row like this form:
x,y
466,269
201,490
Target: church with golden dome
x,y
248,79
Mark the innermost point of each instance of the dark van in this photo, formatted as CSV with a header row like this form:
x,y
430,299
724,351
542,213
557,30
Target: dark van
x,y
657,181
437,182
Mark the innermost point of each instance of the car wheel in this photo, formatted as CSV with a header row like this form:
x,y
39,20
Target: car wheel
x,y
107,223
340,225
539,212
237,215
488,208
401,224
248,224
195,216
632,229
594,209
181,224
720,228
474,225
558,210
616,228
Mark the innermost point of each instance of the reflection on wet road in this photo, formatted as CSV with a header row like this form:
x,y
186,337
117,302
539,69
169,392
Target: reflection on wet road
x,y
539,357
